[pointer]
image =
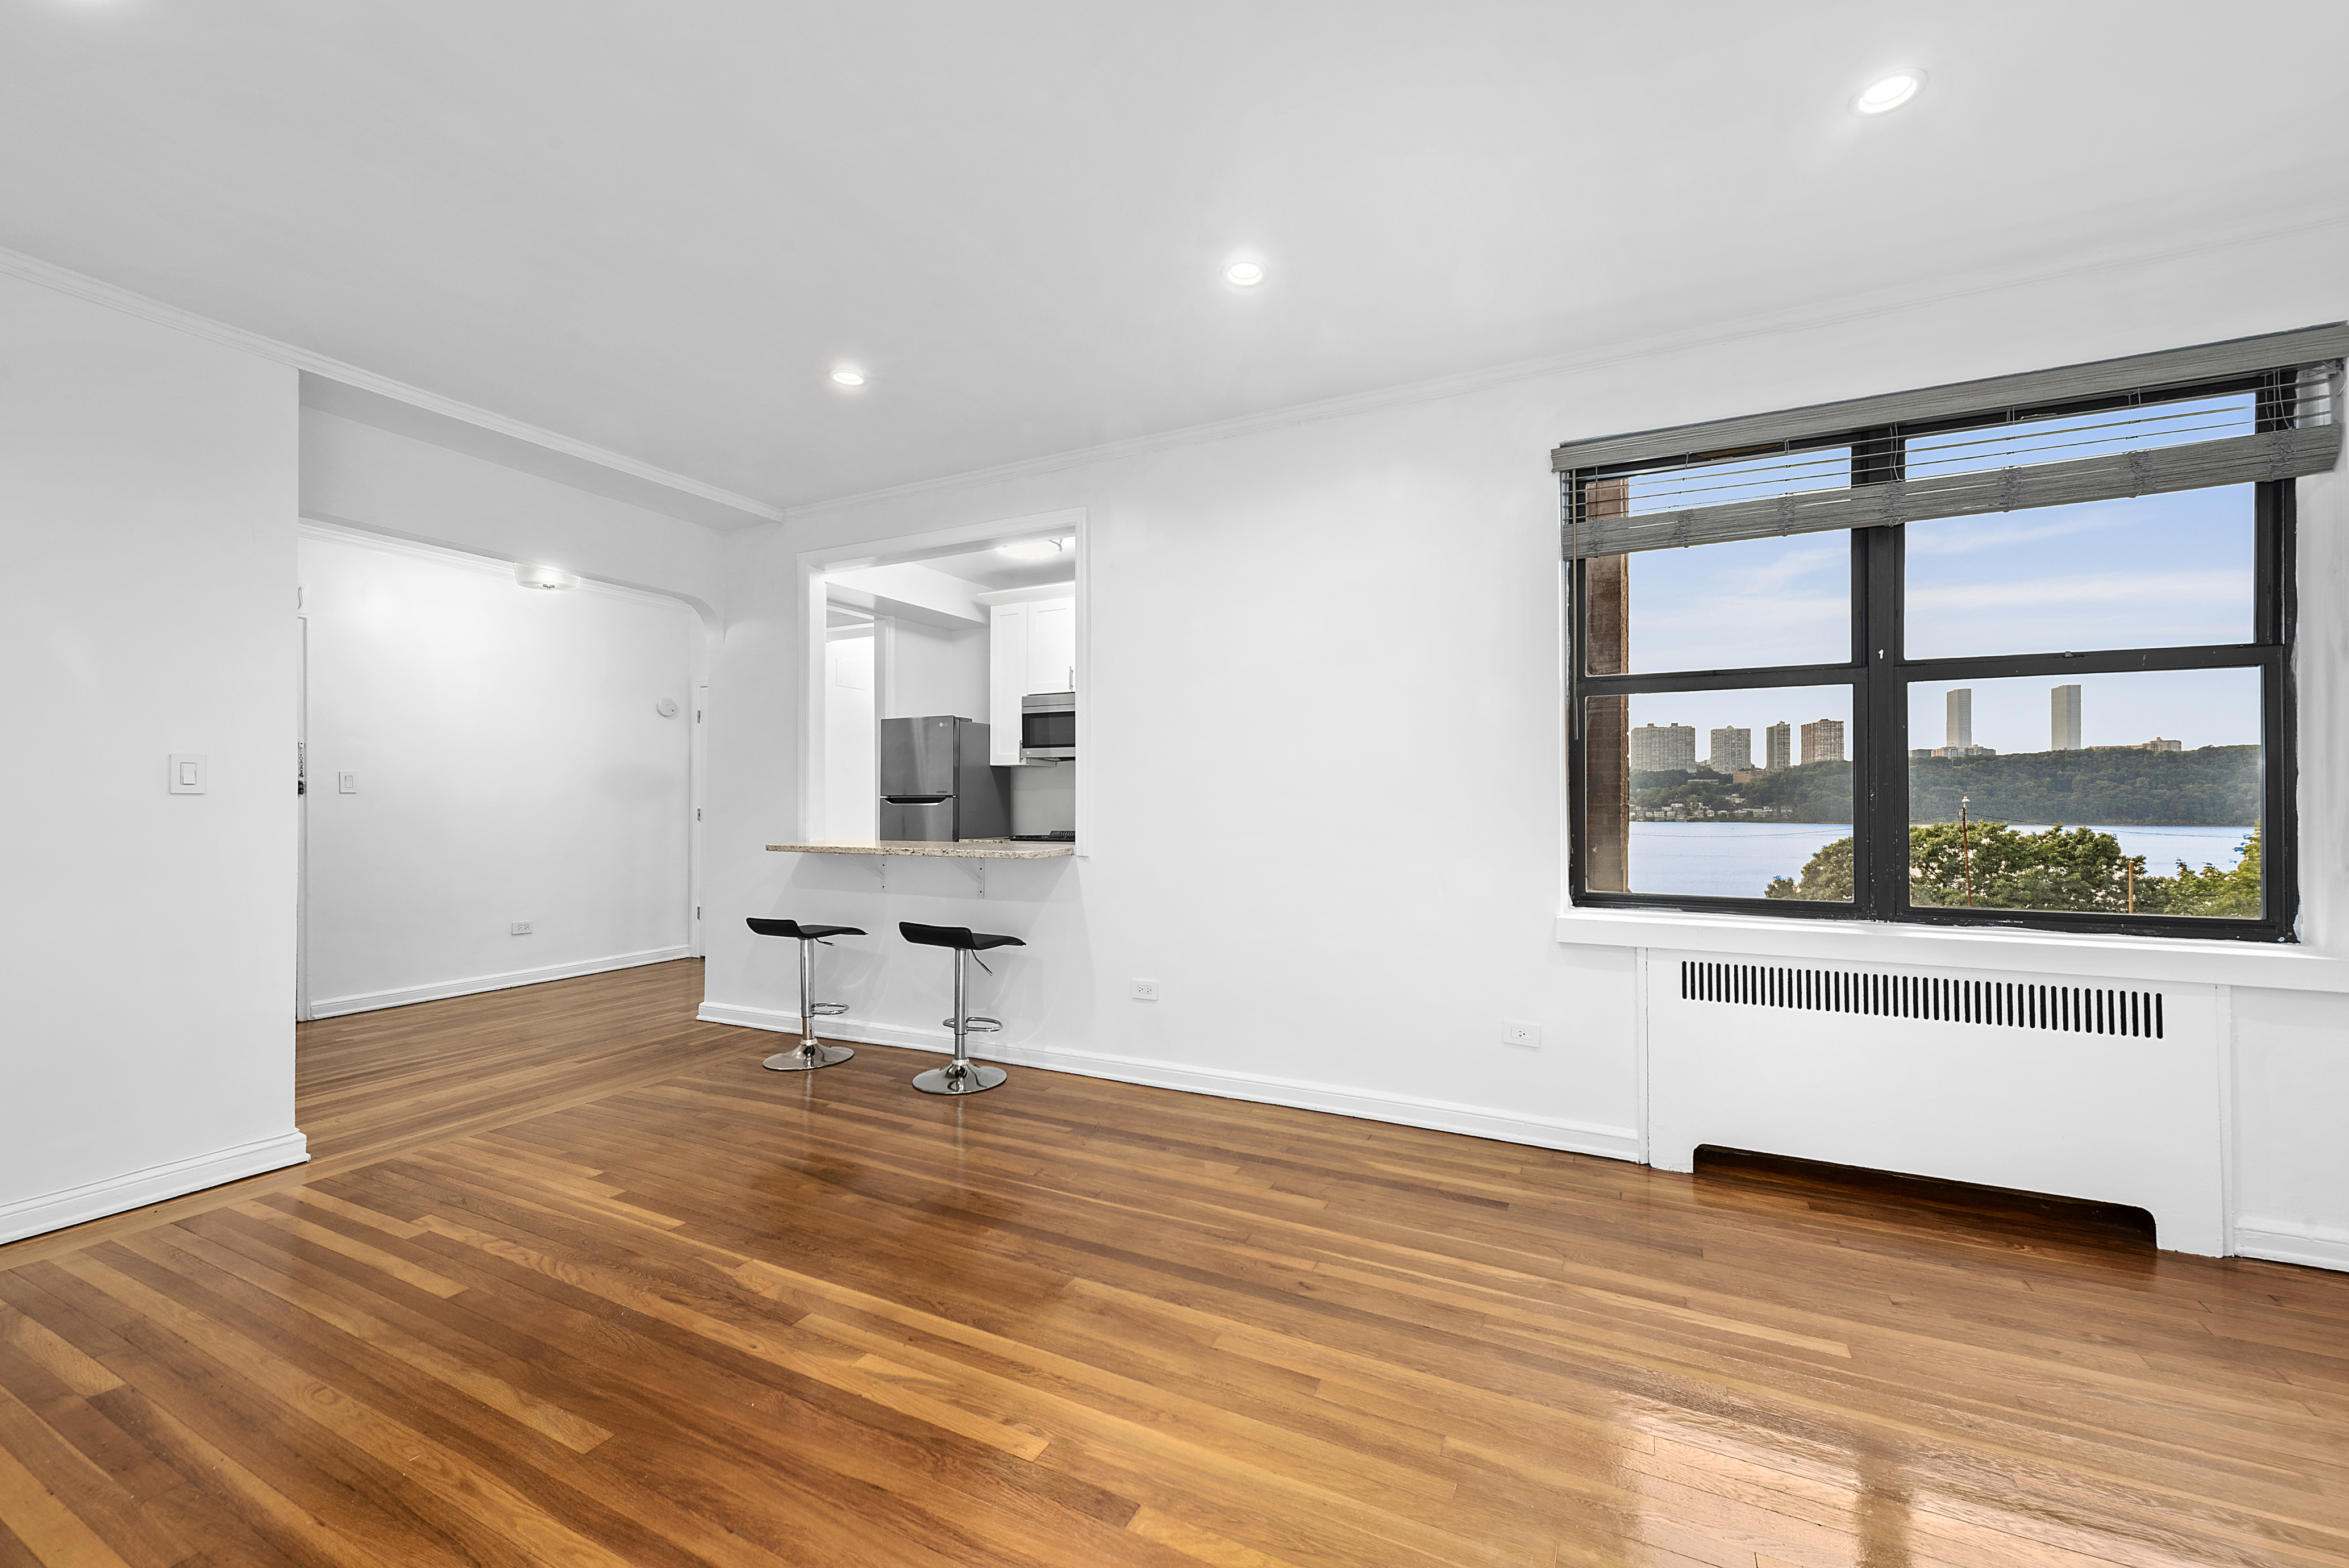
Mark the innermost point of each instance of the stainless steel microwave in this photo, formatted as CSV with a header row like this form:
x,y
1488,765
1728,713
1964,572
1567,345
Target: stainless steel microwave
x,y
1048,726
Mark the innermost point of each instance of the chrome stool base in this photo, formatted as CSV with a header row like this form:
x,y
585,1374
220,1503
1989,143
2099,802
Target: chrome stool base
x,y
815,1053
811,1052
959,1077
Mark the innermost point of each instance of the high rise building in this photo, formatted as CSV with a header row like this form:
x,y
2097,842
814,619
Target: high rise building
x,y
1960,717
1663,748
1775,750
1823,741
2064,719
1733,751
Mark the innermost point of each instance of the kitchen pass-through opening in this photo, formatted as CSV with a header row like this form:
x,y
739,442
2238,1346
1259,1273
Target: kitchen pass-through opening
x,y
947,697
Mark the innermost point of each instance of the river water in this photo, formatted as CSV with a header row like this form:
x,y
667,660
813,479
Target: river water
x,y
1737,860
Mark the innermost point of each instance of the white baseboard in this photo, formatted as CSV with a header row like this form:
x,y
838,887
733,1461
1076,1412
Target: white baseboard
x,y
1404,1110
95,1200
336,1006
2290,1242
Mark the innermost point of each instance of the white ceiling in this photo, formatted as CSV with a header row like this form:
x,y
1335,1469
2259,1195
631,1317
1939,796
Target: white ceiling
x,y
655,228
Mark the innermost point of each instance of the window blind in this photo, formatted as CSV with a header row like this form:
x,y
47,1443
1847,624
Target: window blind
x,y
2228,413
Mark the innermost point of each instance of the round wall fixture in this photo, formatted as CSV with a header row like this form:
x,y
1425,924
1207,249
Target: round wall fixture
x,y
667,707
545,577
1244,274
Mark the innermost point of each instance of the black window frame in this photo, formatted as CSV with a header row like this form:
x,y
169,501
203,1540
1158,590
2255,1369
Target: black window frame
x,y
1880,673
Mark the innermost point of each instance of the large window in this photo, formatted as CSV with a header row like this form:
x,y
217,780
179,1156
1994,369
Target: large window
x,y
2013,652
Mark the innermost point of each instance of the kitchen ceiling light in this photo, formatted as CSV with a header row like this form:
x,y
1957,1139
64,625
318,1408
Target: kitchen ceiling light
x,y
1244,274
545,577
1884,97
848,377
1031,549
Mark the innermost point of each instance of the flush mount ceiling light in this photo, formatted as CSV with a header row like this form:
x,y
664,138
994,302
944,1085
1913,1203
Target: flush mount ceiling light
x,y
1031,549
1888,93
1244,274
847,377
545,577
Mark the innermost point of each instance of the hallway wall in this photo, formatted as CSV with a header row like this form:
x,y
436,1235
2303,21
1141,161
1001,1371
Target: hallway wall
x,y
512,766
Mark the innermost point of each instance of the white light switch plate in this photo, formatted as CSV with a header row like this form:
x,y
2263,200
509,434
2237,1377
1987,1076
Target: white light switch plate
x,y
347,783
189,770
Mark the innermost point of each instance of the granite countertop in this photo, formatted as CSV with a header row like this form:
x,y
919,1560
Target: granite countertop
x,y
961,849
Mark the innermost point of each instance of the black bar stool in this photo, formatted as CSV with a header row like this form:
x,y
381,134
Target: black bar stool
x,y
811,1052
960,1075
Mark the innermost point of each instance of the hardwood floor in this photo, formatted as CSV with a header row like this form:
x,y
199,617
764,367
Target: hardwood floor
x,y
573,1280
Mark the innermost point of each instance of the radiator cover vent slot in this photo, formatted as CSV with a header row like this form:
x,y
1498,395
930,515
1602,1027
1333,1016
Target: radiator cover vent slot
x,y
1995,1003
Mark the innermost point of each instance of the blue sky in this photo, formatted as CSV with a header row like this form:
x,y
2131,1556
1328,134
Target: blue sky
x,y
2153,571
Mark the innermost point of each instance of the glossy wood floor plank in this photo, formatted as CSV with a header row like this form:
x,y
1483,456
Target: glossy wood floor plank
x,y
572,1280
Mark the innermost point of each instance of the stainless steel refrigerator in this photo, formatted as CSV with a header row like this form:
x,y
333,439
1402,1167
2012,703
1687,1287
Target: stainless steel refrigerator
x,y
934,783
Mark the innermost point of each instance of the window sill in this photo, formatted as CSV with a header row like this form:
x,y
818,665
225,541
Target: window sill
x,y
2273,965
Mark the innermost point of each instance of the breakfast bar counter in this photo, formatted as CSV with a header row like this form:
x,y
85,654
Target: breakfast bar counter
x,y
960,849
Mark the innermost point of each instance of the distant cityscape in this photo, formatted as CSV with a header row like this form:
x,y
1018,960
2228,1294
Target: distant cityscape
x,y
2062,728
1672,747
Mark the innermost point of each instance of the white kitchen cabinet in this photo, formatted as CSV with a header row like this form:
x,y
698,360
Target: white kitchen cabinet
x,y
1052,645
1031,647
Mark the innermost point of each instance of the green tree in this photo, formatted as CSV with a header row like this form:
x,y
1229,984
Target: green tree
x,y
2211,892
2076,868
1826,876
2059,868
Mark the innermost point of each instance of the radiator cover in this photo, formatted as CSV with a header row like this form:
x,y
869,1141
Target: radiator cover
x,y
2084,1087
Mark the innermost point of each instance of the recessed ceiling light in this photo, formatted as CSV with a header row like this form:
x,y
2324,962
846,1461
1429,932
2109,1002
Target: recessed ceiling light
x,y
1244,274
545,577
1031,549
1885,96
848,377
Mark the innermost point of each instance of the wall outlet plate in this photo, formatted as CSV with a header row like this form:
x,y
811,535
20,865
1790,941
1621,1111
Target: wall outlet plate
x,y
1145,990
519,928
1521,1032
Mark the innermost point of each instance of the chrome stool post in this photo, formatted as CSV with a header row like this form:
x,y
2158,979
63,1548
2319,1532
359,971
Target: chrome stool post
x,y
810,1053
961,1074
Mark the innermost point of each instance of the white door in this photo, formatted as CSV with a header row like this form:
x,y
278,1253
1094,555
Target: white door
x,y
850,810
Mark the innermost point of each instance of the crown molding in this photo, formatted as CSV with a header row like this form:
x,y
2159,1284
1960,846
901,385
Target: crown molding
x,y
47,275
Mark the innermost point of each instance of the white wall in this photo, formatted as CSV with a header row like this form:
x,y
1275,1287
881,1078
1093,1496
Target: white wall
x,y
932,670
1043,798
512,766
360,476
1344,889
147,501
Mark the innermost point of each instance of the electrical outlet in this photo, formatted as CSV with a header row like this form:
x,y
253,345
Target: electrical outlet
x,y
1517,1032
519,928
1145,990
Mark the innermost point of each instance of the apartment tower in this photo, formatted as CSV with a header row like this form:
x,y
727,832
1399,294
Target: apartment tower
x,y
1663,749
1823,741
2064,719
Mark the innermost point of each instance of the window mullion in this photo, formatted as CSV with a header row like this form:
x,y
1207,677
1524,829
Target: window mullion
x,y
1881,792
